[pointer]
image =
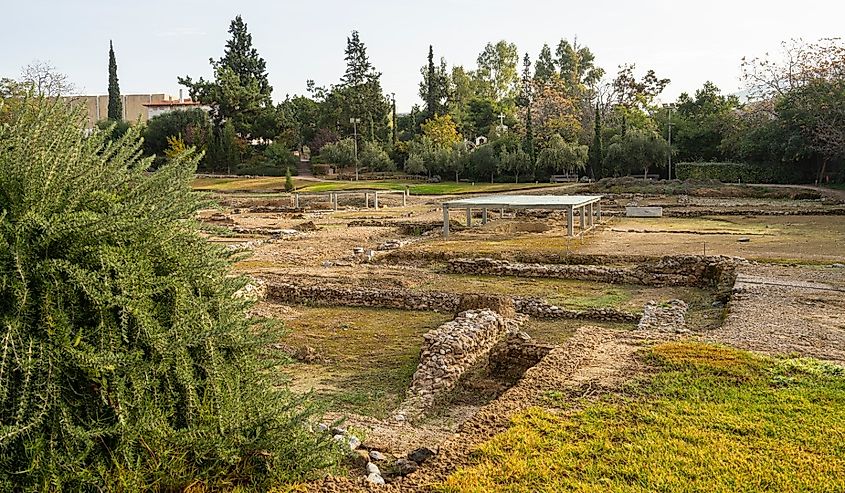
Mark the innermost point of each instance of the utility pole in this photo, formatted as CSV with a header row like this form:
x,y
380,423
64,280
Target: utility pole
x,y
669,107
355,122
393,98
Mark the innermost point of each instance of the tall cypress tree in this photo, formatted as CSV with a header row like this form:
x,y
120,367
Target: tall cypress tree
x,y
431,91
597,149
115,104
525,100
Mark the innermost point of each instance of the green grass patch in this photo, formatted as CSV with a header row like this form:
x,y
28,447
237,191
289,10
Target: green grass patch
x,y
710,419
271,184
366,356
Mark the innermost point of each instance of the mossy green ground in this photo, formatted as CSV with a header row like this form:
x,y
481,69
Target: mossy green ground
x,y
709,419
366,356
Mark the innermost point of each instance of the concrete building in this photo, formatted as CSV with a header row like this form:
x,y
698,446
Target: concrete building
x,y
136,107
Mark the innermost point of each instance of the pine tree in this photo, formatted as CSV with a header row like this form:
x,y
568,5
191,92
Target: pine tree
x,y
240,56
128,361
288,180
358,67
596,151
115,112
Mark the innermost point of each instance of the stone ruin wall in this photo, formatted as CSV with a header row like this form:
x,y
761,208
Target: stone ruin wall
x,y
404,299
449,352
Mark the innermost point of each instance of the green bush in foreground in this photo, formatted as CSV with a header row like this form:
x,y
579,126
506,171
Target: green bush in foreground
x,y
711,419
126,361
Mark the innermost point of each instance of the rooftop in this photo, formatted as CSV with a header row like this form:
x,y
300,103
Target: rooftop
x,y
525,201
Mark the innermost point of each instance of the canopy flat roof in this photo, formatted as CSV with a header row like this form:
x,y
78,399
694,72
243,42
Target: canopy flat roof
x,y
525,201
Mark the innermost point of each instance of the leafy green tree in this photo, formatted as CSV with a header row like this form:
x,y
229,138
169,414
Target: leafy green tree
x,y
483,162
289,187
375,158
193,125
341,152
415,165
115,109
497,74
516,163
130,362
300,115
701,123
637,150
240,92
577,66
442,132
280,156
561,156
545,65
359,70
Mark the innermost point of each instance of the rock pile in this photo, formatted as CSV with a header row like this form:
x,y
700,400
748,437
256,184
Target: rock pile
x,y
537,308
664,317
332,295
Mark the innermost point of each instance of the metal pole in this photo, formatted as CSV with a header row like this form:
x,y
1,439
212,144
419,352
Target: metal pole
x,y
355,134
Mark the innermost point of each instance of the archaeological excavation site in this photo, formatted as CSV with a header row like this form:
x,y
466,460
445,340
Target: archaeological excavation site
x,y
429,327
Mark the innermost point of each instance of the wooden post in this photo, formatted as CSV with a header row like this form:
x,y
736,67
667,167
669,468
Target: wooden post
x,y
405,197
445,220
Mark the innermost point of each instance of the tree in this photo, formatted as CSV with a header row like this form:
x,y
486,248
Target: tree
x,y
341,152
561,156
131,363
516,162
374,158
43,79
497,73
545,65
577,66
637,150
115,112
555,111
700,124
434,88
240,92
358,67
442,132
175,147
483,162
289,187
526,100
193,125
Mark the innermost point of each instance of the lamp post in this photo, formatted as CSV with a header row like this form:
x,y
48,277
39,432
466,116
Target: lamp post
x,y
355,122
669,107
393,118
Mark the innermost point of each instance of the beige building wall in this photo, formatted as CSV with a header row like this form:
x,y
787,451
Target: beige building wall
x,y
133,106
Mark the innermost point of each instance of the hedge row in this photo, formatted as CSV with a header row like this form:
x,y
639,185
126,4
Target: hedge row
x,y
735,173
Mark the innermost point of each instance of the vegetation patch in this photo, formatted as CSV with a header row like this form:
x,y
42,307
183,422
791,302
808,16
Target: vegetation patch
x,y
363,358
711,418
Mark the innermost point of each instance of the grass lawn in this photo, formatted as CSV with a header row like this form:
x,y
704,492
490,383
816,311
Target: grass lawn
x,y
709,419
277,184
367,356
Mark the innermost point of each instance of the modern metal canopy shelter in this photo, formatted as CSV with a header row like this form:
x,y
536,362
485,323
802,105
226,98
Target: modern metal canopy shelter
x,y
332,196
588,207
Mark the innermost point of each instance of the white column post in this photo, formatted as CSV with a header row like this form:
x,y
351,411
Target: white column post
x,y
469,217
570,222
582,213
375,200
484,216
366,200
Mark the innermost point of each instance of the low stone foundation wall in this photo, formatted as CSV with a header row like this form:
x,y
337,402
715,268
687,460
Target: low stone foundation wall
x,y
516,354
668,271
403,299
449,352
537,308
664,317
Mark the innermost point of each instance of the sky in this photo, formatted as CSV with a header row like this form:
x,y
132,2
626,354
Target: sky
x,y
155,41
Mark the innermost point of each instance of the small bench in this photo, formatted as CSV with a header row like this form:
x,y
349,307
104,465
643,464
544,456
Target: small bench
x,y
563,178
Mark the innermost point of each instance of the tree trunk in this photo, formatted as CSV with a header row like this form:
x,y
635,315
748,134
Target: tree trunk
x,y
822,170
456,177
491,177
516,177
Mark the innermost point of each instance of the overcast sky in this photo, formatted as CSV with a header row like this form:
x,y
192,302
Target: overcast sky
x,y
156,41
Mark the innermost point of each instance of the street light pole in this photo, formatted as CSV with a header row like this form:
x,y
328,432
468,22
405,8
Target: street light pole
x,y
355,122
669,107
